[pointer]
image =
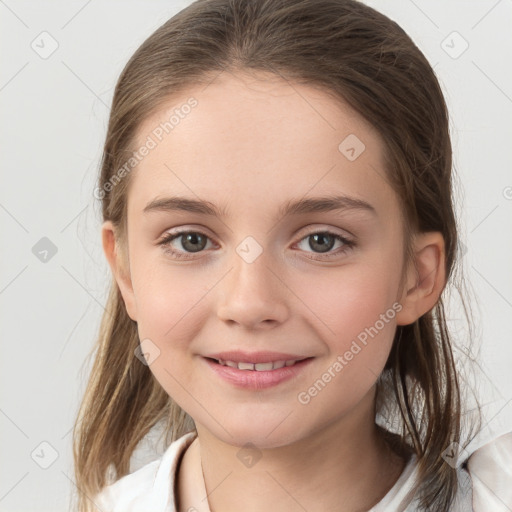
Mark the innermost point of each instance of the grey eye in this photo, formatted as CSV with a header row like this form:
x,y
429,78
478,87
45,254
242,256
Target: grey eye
x,y
322,242
192,242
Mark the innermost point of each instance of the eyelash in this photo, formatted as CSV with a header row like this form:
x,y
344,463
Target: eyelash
x,y
165,242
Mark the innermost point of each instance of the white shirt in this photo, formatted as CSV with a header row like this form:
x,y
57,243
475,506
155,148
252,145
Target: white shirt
x,y
485,486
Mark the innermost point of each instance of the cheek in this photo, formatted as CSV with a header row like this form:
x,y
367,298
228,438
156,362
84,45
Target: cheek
x,y
169,308
171,314
168,298
348,296
361,326
354,310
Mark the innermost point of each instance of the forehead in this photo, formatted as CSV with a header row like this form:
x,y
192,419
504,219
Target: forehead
x,y
254,141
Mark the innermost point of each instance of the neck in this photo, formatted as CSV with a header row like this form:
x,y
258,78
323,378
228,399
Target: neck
x,y
344,467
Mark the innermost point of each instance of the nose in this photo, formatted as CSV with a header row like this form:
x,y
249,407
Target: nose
x,y
253,295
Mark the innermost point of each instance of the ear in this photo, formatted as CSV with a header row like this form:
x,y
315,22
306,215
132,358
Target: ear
x,y
118,260
425,278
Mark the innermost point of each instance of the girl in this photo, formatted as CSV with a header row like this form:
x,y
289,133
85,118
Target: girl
x,y
277,204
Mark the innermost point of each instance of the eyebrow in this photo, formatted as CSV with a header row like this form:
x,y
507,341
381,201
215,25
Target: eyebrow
x,y
291,207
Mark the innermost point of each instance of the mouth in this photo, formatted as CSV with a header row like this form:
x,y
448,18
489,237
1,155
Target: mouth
x,y
257,375
259,367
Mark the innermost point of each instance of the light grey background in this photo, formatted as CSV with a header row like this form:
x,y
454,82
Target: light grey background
x,y
54,115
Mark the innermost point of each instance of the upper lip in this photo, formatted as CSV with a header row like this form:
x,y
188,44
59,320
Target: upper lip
x,y
238,356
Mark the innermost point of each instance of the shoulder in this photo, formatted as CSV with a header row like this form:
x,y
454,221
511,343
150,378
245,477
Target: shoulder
x,y
150,488
485,478
490,469
484,481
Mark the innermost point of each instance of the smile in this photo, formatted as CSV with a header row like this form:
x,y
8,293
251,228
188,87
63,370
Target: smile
x,y
257,376
259,367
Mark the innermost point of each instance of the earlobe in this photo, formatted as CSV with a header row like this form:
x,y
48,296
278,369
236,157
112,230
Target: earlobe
x,y
426,278
118,263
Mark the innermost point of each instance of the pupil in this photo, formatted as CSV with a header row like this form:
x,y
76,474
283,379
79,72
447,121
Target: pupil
x,y
193,238
322,246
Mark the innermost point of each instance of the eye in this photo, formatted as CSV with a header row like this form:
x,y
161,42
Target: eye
x,y
323,242
191,242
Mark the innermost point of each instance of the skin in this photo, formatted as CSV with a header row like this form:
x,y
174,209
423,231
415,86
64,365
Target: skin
x,y
253,142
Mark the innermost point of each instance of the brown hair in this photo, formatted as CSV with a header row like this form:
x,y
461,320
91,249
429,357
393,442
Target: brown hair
x,y
354,53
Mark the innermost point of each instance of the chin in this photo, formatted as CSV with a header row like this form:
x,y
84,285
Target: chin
x,y
258,434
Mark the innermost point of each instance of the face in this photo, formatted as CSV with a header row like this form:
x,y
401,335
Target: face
x,y
309,283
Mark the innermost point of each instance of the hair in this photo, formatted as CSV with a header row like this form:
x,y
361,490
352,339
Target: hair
x,y
363,58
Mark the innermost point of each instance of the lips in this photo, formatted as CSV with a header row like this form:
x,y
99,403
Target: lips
x,y
257,376
238,356
260,367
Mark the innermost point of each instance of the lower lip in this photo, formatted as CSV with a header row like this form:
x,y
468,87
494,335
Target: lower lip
x,y
253,379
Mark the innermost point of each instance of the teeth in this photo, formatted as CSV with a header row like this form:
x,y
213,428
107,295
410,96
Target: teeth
x,y
264,366
245,366
260,367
